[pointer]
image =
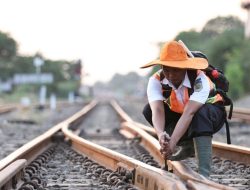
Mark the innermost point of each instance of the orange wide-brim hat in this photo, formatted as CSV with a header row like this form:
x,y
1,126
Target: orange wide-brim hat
x,y
174,55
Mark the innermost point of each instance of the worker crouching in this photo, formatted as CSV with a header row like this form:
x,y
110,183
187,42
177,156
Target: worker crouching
x,y
182,106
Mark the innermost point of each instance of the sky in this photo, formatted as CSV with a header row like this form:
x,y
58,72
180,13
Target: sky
x,y
109,36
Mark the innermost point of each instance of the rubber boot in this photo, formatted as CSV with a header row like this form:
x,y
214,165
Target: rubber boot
x,y
186,150
203,153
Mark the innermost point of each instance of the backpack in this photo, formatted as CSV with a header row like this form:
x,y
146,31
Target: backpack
x,y
221,85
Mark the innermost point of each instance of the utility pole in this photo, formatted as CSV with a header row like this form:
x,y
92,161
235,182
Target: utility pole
x,y
38,62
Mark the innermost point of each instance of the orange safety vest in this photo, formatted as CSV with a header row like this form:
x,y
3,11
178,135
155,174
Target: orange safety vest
x,y
177,105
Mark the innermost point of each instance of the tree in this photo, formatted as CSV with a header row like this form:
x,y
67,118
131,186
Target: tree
x,y
222,46
8,46
241,56
222,40
219,25
8,50
192,39
235,74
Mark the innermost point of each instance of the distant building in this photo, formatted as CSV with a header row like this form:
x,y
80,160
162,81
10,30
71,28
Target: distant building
x,y
6,86
41,78
26,78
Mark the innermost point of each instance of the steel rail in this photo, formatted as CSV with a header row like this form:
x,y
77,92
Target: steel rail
x,y
11,107
192,178
245,111
177,167
12,173
146,177
232,152
12,165
7,108
241,114
36,146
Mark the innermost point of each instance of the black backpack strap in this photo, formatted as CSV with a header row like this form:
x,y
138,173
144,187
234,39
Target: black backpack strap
x,y
228,132
229,117
231,109
166,90
227,102
192,74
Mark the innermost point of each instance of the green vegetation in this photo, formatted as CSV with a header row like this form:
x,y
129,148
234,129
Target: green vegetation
x,y
66,74
222,40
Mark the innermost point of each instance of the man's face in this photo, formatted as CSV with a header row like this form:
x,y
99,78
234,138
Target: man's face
x,y
174,75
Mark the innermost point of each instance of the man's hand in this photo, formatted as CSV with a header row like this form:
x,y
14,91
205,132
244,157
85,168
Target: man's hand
x,y
167,150
166,153
164,140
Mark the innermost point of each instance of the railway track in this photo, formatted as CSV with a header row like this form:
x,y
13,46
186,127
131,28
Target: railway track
x,y
22,125
241,114
231,165
6,108
12,107
117,166
106,132
65,158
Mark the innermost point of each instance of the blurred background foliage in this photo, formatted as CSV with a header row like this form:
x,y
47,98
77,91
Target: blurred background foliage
x,y
65,73
221,39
